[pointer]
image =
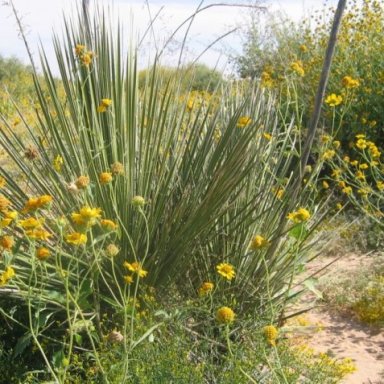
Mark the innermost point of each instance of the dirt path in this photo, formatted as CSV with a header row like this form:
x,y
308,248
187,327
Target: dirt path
x,y
341,336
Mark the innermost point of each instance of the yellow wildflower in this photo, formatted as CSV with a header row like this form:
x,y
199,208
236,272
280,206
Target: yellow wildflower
x,y
79,49
333,100
380,185
9,216
2,182
299,216
76,238
297,66
271,334
361,143
8,274
329,154
225,315
82,182
258,242
35,203
31,223
108,224
104,104
136,268
349,82
43,253
128,279
325,184
206,288
38,234
226,270
267,136
6,242
105,177
86,216
347,190
243,121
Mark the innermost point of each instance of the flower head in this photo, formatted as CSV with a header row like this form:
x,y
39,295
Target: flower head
x,y
206,288
136,268
138,201
297,67
105,177
333,100
258,242
299,216
349,82
6,275
35,203
104,104
42,253
226,270
76,238
225,315
82,182
271,333
117,168
243,121
7,242
109,225
31,223
112,250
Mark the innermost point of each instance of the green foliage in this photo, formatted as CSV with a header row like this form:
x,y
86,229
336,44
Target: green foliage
x,y
275,53
129,189
196,77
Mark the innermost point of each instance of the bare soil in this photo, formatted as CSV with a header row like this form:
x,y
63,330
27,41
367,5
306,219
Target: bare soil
x,y
343,336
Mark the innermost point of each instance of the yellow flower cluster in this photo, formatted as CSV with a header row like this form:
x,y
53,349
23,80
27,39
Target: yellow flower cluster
x,y
86,216
297,67
7,275
328,154
271,334
243,121
135,267
349,82
84,56
299,216
35,203
104,105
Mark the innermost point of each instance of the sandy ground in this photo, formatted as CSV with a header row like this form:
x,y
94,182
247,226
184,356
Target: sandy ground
x,y
341,336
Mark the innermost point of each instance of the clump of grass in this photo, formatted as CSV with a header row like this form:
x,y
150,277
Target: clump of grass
x,y
127,191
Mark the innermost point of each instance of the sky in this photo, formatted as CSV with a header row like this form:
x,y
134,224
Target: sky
x,y
40,17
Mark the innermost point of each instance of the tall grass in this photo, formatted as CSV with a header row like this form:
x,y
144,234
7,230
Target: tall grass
x,y
189,182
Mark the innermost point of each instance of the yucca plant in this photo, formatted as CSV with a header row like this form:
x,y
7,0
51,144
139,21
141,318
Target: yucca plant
x,y
122,186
